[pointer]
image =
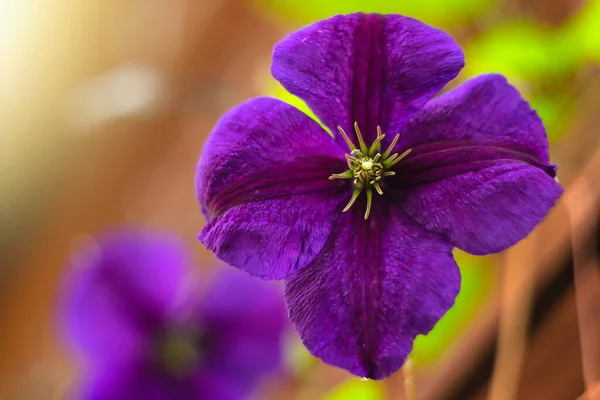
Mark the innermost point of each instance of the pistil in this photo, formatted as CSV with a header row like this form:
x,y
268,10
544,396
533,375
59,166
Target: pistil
x,y
178,351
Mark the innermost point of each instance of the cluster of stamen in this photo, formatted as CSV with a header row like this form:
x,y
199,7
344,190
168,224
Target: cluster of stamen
x,y
178,352
367,166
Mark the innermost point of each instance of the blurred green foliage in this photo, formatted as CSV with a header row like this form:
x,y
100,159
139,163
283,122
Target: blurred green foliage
x,y
297,358
583,31
437,12
357,389
520,50
276,90
540,62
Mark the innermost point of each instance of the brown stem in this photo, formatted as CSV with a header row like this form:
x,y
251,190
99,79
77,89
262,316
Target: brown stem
x,y
517,288
401,386
409,380
592,393
583,215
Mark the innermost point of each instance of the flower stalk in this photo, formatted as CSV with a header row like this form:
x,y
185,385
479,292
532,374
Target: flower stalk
x,y
583,214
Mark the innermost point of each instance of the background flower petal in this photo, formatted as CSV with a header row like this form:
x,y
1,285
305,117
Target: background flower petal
x,y
374,287
369,68
138,382
119,293
211,385
485,211
246,329
263,183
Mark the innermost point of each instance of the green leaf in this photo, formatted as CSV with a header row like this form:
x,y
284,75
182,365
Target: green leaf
x,y
436,12
357,389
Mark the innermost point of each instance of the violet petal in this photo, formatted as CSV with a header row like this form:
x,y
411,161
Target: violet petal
x,y
370,68
211,385
484,109
246,319
485,211
375,286
263,183
120,293
137,382
482,123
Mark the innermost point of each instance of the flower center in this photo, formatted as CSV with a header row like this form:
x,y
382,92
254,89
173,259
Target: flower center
x,y
368,166
179,351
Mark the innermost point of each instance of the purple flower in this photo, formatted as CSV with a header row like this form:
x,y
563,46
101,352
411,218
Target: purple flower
x,y
131,308
362,225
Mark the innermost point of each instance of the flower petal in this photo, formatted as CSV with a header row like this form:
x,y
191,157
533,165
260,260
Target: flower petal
x,y
263,178
212,385
122,288
370,68
261,139
271,239
137,381
246,330
477,125
374,287
485,211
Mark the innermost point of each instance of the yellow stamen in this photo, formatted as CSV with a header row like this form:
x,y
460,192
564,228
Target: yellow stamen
x,y
391,146
361,142
352,200
344,175
347,139
393,160
369,201
378,188
377,143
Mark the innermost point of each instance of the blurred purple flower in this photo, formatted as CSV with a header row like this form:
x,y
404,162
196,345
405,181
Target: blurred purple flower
x,y
132,309
367,253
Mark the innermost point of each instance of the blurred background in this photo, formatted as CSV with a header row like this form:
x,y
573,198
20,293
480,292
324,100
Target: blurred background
x,y
104,106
